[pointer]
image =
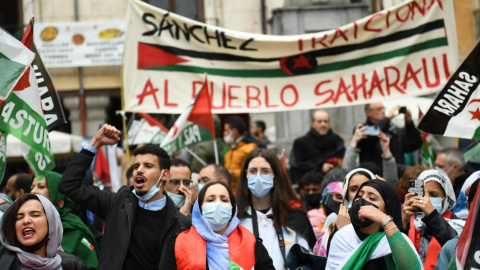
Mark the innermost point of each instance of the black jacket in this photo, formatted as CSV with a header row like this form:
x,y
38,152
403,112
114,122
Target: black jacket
x,y
118,210
9,260
438,227
402,140
311,151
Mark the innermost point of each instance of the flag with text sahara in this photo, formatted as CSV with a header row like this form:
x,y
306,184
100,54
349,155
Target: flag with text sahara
x,y
22,116
15,58
194,125
407,50
143,128
455,111
467,251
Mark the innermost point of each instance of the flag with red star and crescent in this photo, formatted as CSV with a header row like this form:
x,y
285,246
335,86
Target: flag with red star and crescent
x,y
456,109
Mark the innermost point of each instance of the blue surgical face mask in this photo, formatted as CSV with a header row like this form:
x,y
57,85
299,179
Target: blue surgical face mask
x,y
260,184
217,214
154,190
177,199
437,204
200,186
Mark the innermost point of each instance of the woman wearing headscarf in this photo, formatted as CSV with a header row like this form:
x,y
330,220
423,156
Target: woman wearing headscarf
x,y
268,206
352,182
217,240
331,200
31,234
428,219
373,240
77,237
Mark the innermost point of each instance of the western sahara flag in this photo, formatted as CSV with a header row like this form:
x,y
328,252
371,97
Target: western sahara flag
x,y
15,58
467,252
22,116
194,125
456,109
145,129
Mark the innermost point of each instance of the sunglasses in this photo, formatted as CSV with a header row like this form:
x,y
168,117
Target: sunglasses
x,y
176,182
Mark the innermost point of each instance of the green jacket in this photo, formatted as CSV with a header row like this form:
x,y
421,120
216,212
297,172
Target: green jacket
x,y
77,237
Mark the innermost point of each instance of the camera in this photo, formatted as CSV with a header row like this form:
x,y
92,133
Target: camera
x,y
402,109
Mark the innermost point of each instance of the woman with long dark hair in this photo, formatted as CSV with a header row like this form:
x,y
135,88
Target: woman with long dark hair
x,y
268,206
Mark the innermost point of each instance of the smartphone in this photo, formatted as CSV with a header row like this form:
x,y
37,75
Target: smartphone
x,y
372,130
416,186
402,110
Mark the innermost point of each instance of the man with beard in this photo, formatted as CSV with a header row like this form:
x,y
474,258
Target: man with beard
x,y
319,150
141,222
18,184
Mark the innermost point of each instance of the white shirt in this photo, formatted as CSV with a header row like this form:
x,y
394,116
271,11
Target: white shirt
x,y
267,233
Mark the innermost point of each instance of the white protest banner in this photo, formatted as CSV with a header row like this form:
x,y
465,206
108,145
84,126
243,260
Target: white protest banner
x,y
77,44
407,50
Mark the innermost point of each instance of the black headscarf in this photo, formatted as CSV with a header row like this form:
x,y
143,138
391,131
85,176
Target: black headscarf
x,y
391,199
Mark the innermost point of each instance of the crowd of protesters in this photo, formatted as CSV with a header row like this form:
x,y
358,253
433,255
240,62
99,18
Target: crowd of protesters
x,y
339,206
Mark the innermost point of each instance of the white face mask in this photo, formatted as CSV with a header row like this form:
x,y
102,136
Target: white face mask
x,y
229,138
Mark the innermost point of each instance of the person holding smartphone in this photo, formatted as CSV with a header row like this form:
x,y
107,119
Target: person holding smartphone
x,y
428,219
402,140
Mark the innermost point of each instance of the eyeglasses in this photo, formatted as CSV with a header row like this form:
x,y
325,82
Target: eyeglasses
x,y
377,109
254,171
176,182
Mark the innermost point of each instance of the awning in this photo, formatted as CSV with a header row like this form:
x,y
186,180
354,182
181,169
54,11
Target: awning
x,y
63,145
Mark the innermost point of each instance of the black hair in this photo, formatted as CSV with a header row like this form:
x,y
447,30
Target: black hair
x,y
178,162
163,157
129,172
261,124
473,191
10,217
24,181
236,122
201,196
309,178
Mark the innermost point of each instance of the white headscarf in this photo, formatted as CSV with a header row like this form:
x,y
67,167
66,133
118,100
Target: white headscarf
x,y
449,201
346,182
55,234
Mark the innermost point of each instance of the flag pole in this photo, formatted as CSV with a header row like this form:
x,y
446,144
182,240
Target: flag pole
x,y
215,148
195,156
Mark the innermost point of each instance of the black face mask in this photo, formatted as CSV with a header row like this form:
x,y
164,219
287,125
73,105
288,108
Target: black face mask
x,y
313,200
353,212
331,206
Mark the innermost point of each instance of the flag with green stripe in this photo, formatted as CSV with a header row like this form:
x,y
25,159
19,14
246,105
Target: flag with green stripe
x,y
15,58
194,125
407,50
22,116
